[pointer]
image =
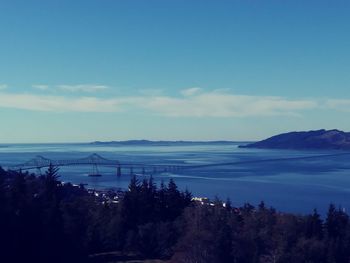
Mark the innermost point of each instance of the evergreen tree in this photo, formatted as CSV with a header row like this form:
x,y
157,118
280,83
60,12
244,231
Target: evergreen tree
x,y
314,226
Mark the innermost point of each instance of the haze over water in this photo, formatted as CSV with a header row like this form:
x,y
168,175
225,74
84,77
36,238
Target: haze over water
x,y
294,185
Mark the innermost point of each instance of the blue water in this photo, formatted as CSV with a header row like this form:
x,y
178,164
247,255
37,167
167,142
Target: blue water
x,y
296,185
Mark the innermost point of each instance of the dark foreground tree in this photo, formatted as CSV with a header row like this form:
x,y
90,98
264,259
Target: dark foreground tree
x,y
43,220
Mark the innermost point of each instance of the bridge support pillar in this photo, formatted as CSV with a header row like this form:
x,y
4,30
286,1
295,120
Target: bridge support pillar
x,y
95,172
119,171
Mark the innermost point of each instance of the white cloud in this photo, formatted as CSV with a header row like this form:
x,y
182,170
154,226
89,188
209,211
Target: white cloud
x,y
57,103
40,86
82,88
227,105
3,86
205,104
338,104
190,91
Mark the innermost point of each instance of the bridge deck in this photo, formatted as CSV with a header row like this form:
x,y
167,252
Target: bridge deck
x,y
93,159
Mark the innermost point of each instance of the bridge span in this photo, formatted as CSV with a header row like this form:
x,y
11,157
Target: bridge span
x,y
94,160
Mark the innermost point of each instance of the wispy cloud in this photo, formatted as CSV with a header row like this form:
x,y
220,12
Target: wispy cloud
x,y
215,104
40,86
190,91
338,104
57,103
3,86
82,88
194,103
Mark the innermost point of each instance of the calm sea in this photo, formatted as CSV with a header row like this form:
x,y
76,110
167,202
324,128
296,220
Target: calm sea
x,y
294,181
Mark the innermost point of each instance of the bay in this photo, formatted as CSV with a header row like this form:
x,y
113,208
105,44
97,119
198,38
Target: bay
x,y
289,180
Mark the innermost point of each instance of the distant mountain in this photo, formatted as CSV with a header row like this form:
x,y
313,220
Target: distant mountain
x,y
160,143
320,139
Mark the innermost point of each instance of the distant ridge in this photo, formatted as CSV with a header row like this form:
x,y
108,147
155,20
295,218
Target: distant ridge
x,y
319,139
161,143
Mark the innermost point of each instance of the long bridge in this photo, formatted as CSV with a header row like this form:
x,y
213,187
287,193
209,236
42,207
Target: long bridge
x,y
94,160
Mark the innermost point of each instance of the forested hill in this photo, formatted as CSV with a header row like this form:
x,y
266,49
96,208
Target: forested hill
x,y
43,220
320,139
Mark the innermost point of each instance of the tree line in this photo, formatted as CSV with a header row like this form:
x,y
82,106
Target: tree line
x,y
44,220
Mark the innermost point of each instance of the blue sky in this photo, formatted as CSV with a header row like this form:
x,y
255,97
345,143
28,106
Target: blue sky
x,y
175,69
